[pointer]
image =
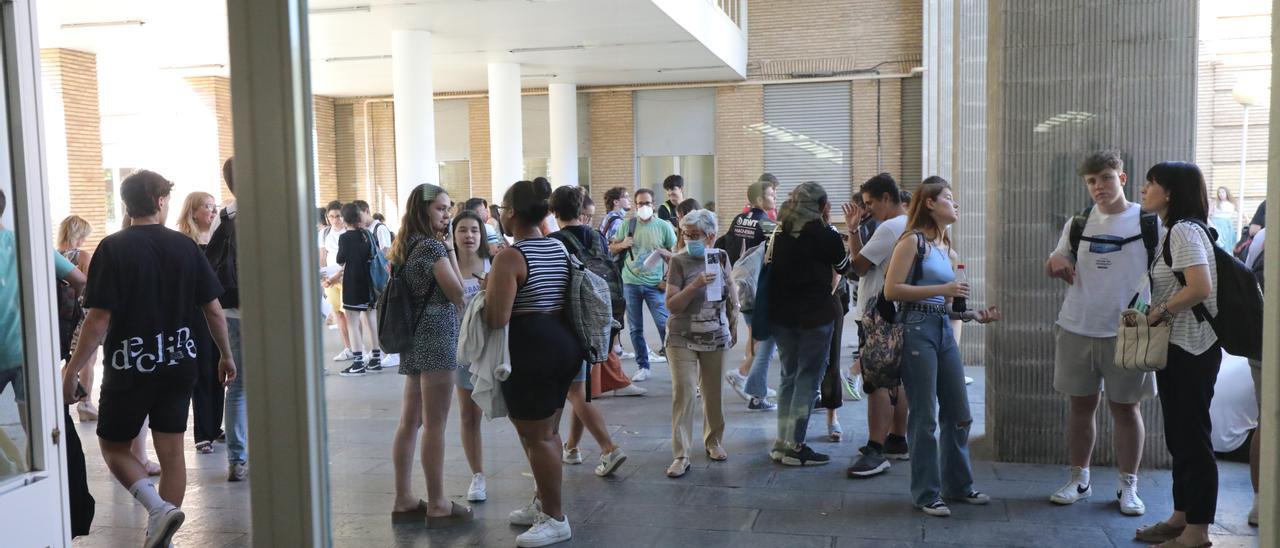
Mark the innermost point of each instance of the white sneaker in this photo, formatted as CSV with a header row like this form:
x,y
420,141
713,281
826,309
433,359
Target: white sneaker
x,y
527,515
630,390
609,463
626,355
545,532
344,356
738,383
1253,514
657,358
571,456
1127,494
641,375
476,492
1075,490
617,349
390,360
162,524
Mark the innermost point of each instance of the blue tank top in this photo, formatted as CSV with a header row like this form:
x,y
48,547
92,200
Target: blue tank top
x,y
936,270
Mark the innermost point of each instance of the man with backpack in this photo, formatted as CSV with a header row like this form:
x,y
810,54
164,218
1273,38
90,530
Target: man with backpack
x,y
751,228
222,255
1102,255
645,244
384,237
673,186
886,405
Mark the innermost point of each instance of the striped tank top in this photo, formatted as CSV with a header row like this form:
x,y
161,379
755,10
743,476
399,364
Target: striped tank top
x,y
548,282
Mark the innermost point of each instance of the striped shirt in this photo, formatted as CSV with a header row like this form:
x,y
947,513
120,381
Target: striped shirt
x,y
546,286
1189,246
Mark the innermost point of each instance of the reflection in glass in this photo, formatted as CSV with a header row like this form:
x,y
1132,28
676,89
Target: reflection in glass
x,y
15,444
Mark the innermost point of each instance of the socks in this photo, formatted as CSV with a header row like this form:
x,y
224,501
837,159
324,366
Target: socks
x,y
875,445
146,494
1082,474
359,356
377,354
1128,479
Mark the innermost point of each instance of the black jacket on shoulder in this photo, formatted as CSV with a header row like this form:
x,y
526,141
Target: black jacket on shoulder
x,y
221,253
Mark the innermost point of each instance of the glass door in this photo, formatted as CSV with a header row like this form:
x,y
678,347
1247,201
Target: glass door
x,y
32,478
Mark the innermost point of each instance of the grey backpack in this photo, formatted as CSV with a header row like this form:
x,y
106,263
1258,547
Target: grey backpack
x,y
590,306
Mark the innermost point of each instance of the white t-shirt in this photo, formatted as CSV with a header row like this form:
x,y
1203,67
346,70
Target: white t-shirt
x,y
1255,247
1190,246
1234,409
877,251
330,244
383,233
1107,275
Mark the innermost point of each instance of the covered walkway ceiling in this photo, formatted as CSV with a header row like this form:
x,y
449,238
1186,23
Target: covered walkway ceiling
x,y
586,42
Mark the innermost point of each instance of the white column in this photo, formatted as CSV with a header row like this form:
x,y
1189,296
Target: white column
x,y
412,90
563,104
937,93
506,147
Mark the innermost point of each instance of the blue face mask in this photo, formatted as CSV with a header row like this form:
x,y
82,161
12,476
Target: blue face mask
x,y
696,248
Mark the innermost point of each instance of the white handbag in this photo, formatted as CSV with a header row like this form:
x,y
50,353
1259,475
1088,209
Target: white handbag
x,y
1141,347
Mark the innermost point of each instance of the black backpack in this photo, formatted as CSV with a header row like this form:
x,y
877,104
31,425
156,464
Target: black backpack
x,y
398,312
620,260
70,314
595,261
1149,233
1240,331
222,255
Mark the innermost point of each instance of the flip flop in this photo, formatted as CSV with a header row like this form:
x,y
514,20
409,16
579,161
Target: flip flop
x,y
457,516
415,514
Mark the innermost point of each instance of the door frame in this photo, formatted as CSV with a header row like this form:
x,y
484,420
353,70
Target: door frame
x,y
27,498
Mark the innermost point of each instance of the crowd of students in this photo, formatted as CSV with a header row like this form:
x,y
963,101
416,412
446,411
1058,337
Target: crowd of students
x,y
492,326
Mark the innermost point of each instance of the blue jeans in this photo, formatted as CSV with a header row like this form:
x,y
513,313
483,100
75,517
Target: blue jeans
x,y
933,377
234,419
757,378
638,296
804,360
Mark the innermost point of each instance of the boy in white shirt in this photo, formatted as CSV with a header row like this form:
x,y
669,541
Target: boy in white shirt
x,y
1103,256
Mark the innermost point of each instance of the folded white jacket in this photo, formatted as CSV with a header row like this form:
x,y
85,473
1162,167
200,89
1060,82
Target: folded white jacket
x,y
486,350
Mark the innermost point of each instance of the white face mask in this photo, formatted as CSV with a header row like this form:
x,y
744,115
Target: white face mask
x,y
645,212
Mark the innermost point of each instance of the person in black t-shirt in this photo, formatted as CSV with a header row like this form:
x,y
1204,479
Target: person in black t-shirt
x,y
752,227
1259,220
674,187
145,284
355,253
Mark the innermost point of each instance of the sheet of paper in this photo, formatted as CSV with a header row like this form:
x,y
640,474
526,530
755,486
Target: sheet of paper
x,y
715,289
652,260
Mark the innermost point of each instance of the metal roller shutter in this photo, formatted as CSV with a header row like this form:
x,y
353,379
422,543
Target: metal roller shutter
x,y
912,136
807,136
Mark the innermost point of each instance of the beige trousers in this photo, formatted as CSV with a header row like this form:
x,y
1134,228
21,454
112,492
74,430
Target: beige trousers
x,y
690,368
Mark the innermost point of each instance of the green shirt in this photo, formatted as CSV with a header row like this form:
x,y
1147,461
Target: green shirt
x,y
649,236
10,305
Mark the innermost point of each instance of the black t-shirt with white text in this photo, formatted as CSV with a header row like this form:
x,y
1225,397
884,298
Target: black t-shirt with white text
x,y
153,281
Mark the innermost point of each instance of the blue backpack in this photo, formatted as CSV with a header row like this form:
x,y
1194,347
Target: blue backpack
x,y
379,268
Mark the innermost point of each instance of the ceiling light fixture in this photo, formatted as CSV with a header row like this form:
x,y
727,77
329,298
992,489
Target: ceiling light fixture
x,y
683,69
346,9
548,48
548,75
356,58
98,24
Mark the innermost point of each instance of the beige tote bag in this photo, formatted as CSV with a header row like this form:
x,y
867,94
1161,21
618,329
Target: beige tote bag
x,y
1141,347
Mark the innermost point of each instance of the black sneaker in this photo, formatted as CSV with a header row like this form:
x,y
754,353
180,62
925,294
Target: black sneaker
x,y
804,456
374,366
871,463
356,369
895,447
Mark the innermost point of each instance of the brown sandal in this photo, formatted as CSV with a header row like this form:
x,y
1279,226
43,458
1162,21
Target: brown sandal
x,y
457,516
416,514
1176,544
1159,532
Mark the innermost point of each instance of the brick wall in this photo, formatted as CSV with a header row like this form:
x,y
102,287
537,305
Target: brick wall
x,y
739,151
481,170
215,94
787,36
326,149
71,78
613,147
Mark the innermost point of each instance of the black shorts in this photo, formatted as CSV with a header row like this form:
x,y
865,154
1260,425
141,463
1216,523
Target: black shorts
x,y
13,377
545,358
129,398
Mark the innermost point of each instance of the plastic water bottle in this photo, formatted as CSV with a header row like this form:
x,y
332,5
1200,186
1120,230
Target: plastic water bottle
x,y
959,304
